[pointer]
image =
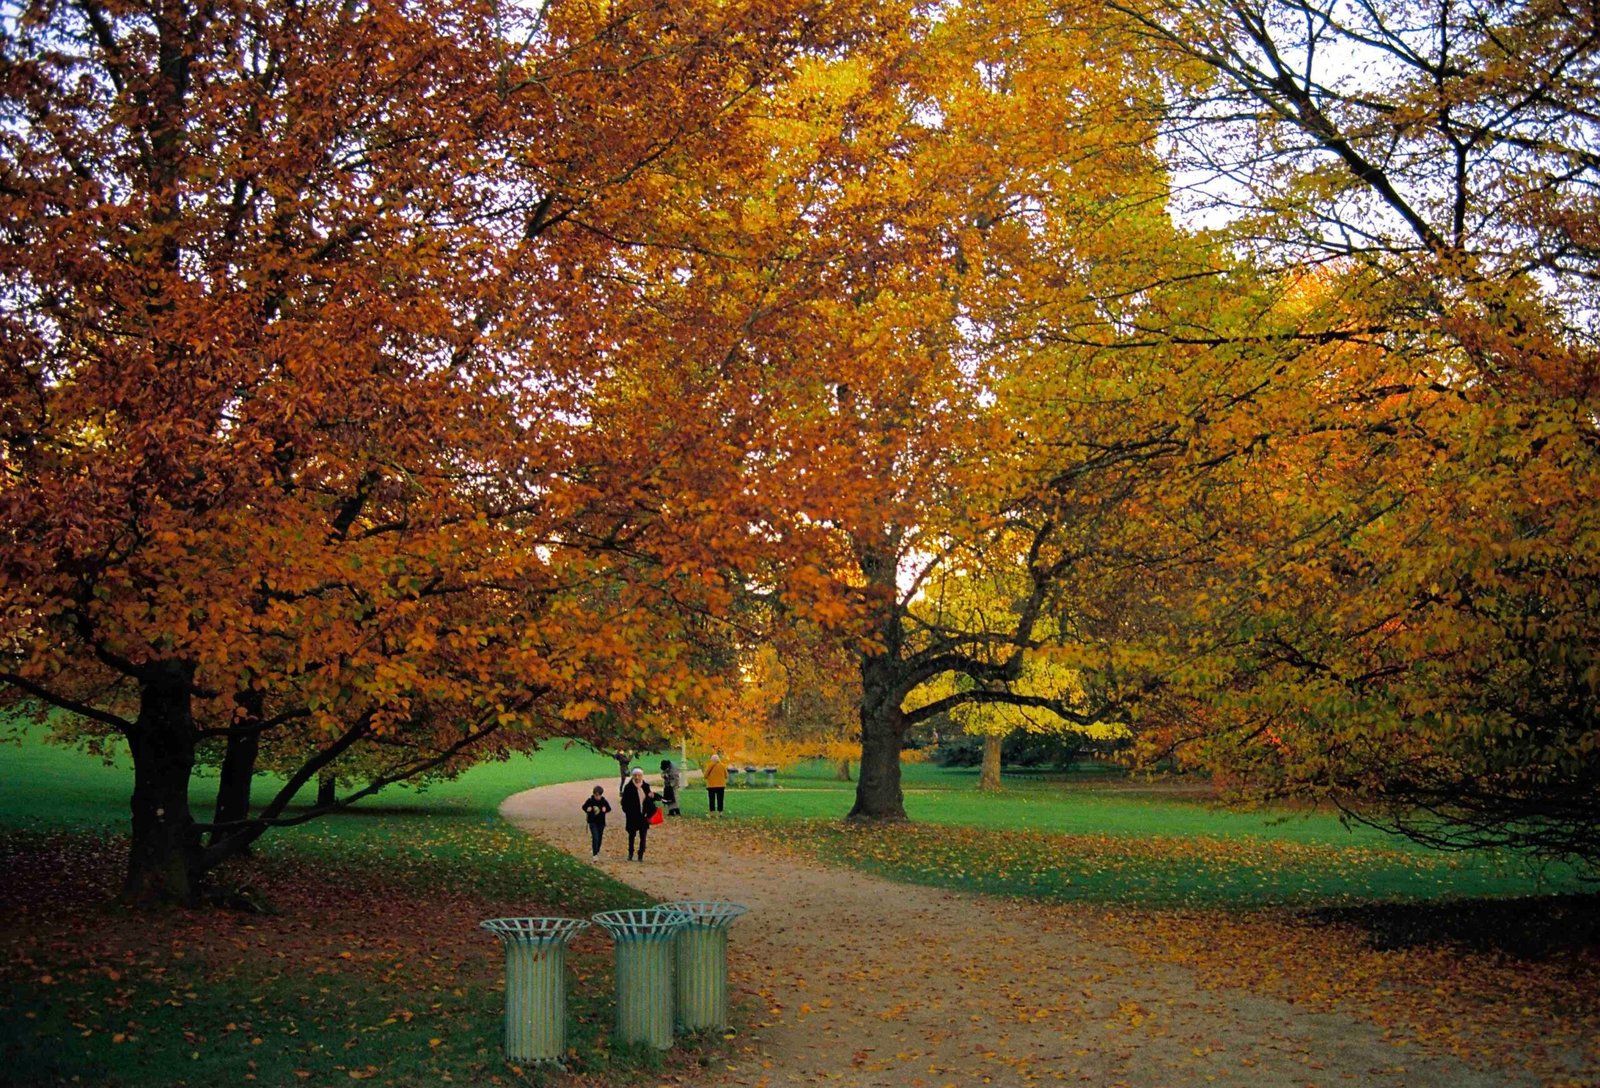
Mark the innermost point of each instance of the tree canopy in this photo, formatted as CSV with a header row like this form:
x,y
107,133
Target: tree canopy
x,y
1420,646
386,386
362,390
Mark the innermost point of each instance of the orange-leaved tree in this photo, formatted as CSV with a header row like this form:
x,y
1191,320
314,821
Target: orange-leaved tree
x,y
356,404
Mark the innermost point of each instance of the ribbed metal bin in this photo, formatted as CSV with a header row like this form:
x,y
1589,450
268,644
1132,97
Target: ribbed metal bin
x,y
703,962
644,945
536,984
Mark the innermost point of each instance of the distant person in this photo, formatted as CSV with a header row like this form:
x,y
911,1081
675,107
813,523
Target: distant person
x,y
638,805
670,781
594,811
716,775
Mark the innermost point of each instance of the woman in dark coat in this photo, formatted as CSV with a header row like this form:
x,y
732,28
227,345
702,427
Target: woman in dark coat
x,y
638,805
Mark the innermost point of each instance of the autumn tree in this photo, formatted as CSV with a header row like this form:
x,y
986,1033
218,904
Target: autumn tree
x,y
1422,650
1044,698
794,697
992,394
356,403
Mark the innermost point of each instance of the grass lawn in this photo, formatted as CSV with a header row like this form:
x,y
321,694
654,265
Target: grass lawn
x,y
48,785
1094,837
369,965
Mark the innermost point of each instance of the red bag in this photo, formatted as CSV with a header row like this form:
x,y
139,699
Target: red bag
x,y
656,817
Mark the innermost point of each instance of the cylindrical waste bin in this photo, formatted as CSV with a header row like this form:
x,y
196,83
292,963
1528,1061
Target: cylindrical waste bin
x,y
703,962
536,984
772,775
644,972
749,776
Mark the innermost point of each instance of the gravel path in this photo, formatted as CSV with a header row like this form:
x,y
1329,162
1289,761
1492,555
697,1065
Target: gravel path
x,y
853,980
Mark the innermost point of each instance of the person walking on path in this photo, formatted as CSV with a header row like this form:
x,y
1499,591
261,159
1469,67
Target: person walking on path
x,y
638,805
594,810
716,776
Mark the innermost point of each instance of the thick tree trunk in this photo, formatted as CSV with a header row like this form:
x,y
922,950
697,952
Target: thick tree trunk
x,y
238,769
883,726
989,777
878,795
883,730
843,772
164,861
327,791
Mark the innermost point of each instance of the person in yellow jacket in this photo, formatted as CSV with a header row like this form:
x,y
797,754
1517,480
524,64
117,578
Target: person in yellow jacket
x,y
716,775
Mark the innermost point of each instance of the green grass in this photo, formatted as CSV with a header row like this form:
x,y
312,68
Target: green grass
x,y
52,785
1088,837
383,879
191,999
189,1025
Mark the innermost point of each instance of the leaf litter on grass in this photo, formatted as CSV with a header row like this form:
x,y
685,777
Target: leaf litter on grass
x,y
1165,871
371,965
1231,911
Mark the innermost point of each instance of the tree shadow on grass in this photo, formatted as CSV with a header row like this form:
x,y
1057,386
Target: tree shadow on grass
x,y
1531,928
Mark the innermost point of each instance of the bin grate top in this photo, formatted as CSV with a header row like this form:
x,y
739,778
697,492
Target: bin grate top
x,y
646,922
707,912
533,929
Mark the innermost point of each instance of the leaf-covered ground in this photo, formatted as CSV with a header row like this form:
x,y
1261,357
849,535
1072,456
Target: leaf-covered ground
x,y
1151,871
374,969
857,981
1493,1009
371,968
1512,982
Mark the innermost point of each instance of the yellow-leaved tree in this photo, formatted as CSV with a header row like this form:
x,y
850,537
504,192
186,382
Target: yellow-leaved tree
x,y
1048,695
1406,620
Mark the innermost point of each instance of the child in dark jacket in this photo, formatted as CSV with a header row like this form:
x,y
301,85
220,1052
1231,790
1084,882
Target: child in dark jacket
x,y
595,809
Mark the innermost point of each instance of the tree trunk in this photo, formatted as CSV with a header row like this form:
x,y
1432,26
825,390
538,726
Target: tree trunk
x,y
238,769
883,730
989,777
878,795
164,860
327,791
843,772
883,726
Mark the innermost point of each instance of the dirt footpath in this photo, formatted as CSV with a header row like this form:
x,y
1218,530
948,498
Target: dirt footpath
x,y
853,980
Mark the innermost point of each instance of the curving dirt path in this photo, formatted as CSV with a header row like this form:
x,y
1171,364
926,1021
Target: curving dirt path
x,y
853,980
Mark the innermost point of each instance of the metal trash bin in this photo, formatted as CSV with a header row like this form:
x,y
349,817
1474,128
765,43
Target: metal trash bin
x,y
644,971
536,984
772,775
703,962
750,776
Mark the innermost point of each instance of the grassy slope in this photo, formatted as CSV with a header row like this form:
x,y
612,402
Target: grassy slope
x,y
399,885
50,785
374,968
1081,836
1084,837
